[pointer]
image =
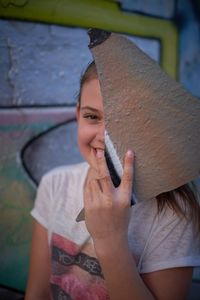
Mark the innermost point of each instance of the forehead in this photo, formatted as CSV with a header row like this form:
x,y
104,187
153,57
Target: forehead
x,y
91,94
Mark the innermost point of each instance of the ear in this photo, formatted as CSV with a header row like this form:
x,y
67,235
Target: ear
x,y
77,112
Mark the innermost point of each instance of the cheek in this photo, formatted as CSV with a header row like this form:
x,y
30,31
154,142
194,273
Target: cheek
x,y
84,136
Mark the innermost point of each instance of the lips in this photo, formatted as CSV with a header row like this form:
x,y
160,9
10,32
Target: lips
x,y
94,149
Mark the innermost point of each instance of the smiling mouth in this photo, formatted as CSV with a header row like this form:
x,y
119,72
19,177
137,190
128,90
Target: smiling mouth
x,y
96,149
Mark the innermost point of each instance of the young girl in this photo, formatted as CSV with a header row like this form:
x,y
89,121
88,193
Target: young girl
x,y
120,252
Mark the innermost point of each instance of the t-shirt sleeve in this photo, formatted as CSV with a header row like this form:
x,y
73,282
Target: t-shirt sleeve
x,y
173,242
42,206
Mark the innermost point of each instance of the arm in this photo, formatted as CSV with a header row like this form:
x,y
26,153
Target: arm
x,y
124,282
39,272
107,217
122,278
170,284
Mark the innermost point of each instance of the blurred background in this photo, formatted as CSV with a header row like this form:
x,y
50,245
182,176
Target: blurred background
x,y
43,51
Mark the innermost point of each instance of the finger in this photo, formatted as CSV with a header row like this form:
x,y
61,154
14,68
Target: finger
x,y
89,200
101,199
87,195
127,178
96,191
103,173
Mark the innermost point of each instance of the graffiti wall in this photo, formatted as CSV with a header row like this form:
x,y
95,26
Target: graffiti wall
x,y
43,51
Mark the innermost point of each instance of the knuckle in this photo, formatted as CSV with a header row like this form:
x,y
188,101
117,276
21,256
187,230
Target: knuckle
x,y
91,182
107,203
106,178
108,199
103,175
103,170
100,161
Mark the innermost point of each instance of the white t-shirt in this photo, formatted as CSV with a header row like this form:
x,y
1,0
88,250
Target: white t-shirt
x,y
158,241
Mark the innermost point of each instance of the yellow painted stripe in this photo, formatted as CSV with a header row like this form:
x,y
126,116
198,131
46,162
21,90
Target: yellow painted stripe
x,y
100,14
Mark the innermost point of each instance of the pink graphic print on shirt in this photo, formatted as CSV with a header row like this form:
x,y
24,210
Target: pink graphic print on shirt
x,y
76,273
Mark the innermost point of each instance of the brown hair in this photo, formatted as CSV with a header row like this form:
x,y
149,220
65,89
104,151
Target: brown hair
x,y
89,74
182,200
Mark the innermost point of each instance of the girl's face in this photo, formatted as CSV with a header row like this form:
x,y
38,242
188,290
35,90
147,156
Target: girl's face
x,y
90,117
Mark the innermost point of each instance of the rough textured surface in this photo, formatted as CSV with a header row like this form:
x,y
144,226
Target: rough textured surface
x,y
44,67
148,112
42,63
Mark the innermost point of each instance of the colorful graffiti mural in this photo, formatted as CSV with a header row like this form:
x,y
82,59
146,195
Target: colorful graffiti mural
x,y
38,84
18,127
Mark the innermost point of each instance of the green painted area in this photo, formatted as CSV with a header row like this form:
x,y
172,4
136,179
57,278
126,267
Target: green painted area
x,y
17,194
14,269
103,14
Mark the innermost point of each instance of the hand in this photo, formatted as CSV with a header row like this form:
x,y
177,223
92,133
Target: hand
x,y
107,208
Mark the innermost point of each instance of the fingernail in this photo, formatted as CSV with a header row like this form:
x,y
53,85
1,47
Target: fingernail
x,y
100,153
130,153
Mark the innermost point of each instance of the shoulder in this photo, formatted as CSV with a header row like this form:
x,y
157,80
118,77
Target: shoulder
x,y
64,178
66,172
143,212
167,240
166,220
57,187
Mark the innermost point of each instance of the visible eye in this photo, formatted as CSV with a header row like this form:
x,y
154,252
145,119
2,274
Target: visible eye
x,y
91,117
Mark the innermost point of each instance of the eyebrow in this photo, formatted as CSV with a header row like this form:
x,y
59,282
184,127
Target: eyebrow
x,y
90,108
